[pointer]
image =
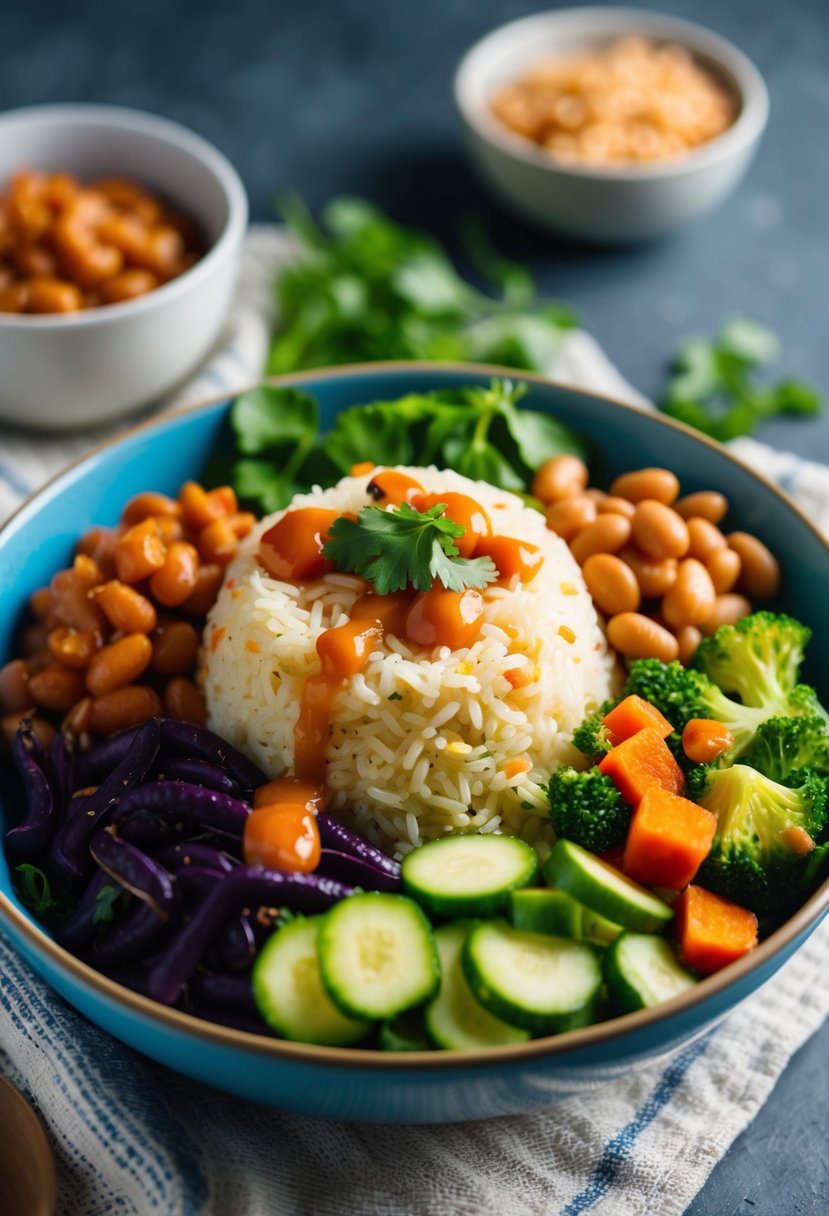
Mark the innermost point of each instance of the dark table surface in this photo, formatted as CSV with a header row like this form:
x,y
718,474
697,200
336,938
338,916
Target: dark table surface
x,y
353,96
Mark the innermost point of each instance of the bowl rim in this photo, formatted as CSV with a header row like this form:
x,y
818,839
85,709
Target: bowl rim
x,y
113,117
806,918
600,23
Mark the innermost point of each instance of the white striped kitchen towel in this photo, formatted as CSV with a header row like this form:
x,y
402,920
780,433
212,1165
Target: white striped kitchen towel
x,y
134,1138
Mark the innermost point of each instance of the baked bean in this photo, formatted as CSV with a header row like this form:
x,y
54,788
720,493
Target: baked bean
x,y
128,285
201,507
70,591
74,647
10,724
118,664
688,638
174,581
611,583
83,256
15,695
691,599
53,295
34,261
704,538
660,485
654,577
184,701
125,608
79,719
175,647
169,529
607,534
41,602
14,298
124,707
139,552
559,477
242,523
142,506
569,516
659,531
613,505
217,542
203,597
639,637
57,687
99,544
728,609
707,504
724,566
59,190
760,572
34,641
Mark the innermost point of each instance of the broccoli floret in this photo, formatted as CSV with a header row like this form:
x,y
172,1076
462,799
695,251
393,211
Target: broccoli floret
x,y
680,693
590,738
760,851
587,808
757,659
784,745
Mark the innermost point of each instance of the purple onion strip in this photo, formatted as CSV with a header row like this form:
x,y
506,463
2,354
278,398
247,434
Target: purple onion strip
x,y
40,814
230,991
244,887
175,856
103,757
137,932
335,836
197,741
199,772
135,871
210,809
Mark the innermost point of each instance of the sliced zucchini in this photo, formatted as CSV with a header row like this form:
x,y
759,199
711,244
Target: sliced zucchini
x,y
377,955
541,983
544,910
288,990
454,1019
460,876
604,890
642,970
404,1033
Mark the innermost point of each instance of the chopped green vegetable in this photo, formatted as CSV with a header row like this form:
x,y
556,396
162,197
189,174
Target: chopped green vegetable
x,y
481,432
366,288
588,808
590,737
34,889
715,387
401,547
105,904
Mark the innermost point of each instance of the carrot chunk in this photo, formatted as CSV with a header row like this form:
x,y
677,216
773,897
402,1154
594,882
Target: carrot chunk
x,y
668,840
640,762
711,931
632,715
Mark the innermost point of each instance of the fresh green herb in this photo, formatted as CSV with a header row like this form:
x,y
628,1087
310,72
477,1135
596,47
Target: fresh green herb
x,y
394,696
715,386
402,547
34,889
367,288
481,432
105,902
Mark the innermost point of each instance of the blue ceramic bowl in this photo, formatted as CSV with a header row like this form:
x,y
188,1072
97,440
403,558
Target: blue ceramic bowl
x,y
363,1085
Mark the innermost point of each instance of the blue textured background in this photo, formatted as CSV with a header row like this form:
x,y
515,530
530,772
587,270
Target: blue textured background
x,y
329,96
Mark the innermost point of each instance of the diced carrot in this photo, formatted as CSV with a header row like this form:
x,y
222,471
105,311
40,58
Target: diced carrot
x,y
711,931
668,840
632,715
513,767
640,762
517,677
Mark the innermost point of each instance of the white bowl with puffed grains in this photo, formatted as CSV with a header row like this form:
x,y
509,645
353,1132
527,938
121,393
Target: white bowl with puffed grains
x,y
610,124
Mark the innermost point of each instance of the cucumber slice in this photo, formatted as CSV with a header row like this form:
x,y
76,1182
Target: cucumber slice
x,y
288,990
599,929
404,1033
542,984
604,890
468,875
543,910
377,955
454,1019
642,970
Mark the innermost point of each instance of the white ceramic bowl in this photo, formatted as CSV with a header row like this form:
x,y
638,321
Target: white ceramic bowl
x,y
71,370
610,205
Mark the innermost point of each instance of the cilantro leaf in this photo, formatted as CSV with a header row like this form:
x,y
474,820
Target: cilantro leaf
x,y
34,889
715,386
105,902
402,547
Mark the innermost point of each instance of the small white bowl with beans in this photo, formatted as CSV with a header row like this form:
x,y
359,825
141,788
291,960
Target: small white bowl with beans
x,y
65,370
658,566
591,179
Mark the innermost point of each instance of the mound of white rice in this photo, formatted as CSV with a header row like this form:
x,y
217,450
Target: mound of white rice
x,y
422,743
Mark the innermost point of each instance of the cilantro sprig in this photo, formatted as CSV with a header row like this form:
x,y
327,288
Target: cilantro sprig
x,y
401,547
716,386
